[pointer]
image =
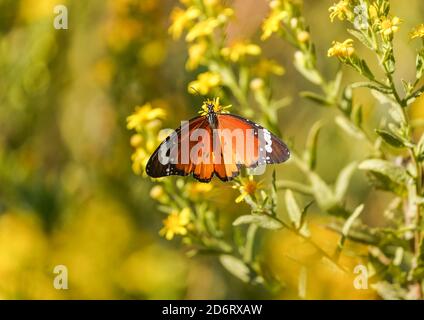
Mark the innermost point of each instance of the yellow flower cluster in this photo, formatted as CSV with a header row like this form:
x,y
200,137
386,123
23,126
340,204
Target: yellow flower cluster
x,y
340,10
205,82
176,223
388,25
146,121
238,50
196,54
418,32
273,22
195,22
247,187
217,107
343,49
266,66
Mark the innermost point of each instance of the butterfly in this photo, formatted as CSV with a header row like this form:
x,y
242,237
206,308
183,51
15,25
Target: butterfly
x,y
216,143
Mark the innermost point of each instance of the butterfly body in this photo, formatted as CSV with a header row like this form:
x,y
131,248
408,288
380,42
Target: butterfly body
x,y
212,118
216,143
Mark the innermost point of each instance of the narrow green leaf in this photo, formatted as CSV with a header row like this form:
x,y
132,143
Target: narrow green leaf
x,y
310,155
262,220
349,222
349,127
390,138
343,180
293,209
322,192
419,64
346,228
383,99
357,115
386,175
371,85
321,100
235,266
361,37
333,87
294,186
396,114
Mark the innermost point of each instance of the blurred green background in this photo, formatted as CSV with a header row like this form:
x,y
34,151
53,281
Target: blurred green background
x,y
67,192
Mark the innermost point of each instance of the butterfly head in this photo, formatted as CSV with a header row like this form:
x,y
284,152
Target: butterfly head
x,y
213,106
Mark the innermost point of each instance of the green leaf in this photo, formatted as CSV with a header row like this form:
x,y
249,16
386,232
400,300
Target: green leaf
x,y
361,37
396,114
294,186
302,63
346,102
418,272
371,85
321,100
346,228
420,149
390,138
349,127
235,266
262,220
362,67
343,180
293,209
349,222
383,99
322,192
386,175
419,64
357,115
310,155
333,87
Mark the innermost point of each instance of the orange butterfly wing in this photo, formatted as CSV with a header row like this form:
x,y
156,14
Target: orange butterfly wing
x,y
187,161
197,154
252,152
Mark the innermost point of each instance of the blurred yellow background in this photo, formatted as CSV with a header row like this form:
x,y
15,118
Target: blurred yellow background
x,y
68,195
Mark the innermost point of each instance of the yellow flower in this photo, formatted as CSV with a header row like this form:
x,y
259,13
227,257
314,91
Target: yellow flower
x,y
143,115
205,82
182,19
176,224
341,50
198,191
239,50
418,32
136,140
157,192
373,12
266,66
340,10
257,84
272,23
202,29
247,187
388,26
303,36
196,53
217,107
139,160
197,188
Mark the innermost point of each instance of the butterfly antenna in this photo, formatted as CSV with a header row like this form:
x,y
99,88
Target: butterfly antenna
x,y
196,91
